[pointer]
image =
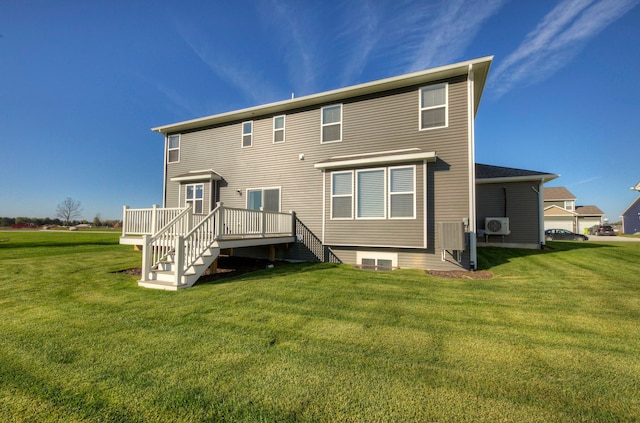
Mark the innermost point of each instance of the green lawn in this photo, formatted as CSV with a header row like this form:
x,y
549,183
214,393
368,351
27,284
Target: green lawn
x,y
553,337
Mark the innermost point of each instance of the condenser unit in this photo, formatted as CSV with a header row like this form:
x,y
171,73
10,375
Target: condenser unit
x,y
496,226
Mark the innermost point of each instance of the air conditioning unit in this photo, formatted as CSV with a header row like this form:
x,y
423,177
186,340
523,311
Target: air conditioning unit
x,y
496,226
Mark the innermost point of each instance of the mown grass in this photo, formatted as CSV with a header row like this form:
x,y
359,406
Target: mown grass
x,y
554,336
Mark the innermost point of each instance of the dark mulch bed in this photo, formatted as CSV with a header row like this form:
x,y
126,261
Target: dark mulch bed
x,y
461,274
228,266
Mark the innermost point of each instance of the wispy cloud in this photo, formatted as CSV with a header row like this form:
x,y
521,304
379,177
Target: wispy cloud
x,y
584,181
556,41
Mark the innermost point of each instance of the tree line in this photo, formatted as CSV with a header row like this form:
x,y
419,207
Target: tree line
x,y
7,222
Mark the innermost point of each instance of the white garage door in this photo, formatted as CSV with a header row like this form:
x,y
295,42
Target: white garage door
x,y
552,222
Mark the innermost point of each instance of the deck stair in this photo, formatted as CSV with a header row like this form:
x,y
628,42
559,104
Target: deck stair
x,y
175,256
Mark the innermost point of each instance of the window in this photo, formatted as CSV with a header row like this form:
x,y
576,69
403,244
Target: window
x,y
376,260
433,106
247,134
370,194
402,189
568,205
173,149
267,198
278,129
342,195
332,123
195,197
379,193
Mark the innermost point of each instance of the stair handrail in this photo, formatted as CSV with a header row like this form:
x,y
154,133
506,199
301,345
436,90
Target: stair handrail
x,y
192,246
159,246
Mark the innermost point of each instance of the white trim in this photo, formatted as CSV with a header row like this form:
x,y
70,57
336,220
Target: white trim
x,y
279,188
322,124
416,78
169,150
352,195
413,192
384,196
472,227
283,129
380,160
406,150
425,202
446,106
250,134
404,247
545,177
324,202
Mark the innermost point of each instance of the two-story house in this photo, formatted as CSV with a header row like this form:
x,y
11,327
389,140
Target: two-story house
x,y
380,175
561,212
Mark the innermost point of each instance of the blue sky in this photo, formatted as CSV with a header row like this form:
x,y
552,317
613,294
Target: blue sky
x,y
82,83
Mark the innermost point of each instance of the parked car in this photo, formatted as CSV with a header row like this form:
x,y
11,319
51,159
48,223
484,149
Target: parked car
x,y
602,230
563,235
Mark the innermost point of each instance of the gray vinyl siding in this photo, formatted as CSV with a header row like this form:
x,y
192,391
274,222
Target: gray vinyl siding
x,y
383,122
515,200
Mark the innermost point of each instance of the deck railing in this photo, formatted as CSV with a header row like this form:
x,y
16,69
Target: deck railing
x,y
147,221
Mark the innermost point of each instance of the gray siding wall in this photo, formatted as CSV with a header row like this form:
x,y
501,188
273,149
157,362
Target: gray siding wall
x,y
519,201
385,122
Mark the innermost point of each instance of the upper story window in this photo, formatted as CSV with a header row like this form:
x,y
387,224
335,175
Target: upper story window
x,y
173,149
434,106
332,123
247,134
569,205
278,129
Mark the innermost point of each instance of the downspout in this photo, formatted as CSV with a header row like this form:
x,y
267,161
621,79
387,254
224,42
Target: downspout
x,y
164,176
473,254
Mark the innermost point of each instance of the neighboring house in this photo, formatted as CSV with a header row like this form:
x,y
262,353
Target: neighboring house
x,y
561,212
513,197
380,174
631,217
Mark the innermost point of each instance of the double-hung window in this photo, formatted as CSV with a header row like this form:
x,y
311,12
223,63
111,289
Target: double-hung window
x,y
194,197
402,192
247,134
434,106
266,198
173,149
278,129
332,123
342,195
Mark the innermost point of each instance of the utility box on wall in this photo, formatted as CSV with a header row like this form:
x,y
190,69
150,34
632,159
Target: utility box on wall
x,y
451,236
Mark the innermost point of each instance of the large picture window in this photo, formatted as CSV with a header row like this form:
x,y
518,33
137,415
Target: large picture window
x,y
194,197
173,149
370,198
332,123
342,195
433,106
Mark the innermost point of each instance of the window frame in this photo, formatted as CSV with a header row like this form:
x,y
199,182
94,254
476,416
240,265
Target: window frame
x,y
169,149
377,256
195,199
351,195
421,108
283,129
384,195
323,124
249,134
262,190
413,192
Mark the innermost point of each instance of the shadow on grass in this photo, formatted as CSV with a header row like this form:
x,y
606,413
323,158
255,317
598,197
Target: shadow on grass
x,y
489,257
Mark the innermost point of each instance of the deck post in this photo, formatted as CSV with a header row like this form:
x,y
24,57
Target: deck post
x,y
263,223
154,219
179,259
219,228
124,220
293,223
146,257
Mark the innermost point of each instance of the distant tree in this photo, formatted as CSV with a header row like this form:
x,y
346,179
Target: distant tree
x,y
68,209
96,221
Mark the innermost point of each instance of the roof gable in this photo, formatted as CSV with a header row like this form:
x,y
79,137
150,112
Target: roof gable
x,y
631,206
589,211
557,211
557,194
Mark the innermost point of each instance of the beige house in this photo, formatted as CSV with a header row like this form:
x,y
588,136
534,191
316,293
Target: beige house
x,y
561,212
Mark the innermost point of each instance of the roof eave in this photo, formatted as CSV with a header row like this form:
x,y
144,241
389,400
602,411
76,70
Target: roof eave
x,y
480,67
544,178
